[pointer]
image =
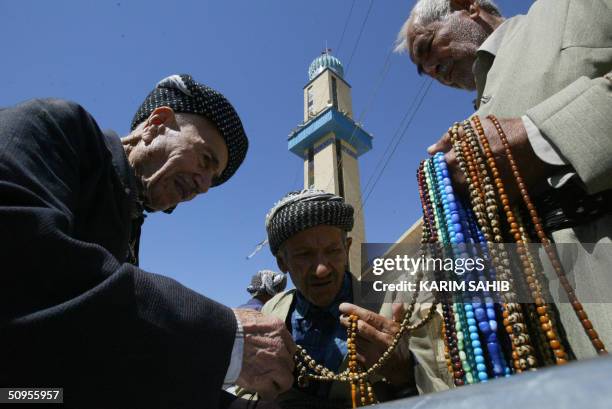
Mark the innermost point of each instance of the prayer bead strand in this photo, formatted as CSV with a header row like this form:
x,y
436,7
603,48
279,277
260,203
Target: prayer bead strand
x,y
483,195
527,264
598,345
464,364
486,315
513,318
456,232
523,350
430,236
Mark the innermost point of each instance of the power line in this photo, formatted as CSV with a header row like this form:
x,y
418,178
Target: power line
x,y
359,37
397,143
396,135
346,23
382,76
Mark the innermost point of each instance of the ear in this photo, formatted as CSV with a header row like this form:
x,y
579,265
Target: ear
x,y
154,125
468,5
162,116
349,241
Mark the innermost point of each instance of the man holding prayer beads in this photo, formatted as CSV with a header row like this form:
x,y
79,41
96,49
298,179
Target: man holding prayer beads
x,y
307,232
549,80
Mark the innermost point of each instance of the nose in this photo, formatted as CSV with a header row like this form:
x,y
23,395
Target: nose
x,y
437,71
433,69
322,269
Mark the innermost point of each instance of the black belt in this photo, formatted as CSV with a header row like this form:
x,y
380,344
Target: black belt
x,y
570,206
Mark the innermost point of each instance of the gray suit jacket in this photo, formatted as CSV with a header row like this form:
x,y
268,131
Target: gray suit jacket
x,y
551,66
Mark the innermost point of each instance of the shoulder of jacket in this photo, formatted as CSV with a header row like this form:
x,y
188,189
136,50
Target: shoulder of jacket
x,y
279,300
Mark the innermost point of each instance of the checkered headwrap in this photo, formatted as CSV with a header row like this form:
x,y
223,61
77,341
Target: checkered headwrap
x,y
267,281
183,94
299,211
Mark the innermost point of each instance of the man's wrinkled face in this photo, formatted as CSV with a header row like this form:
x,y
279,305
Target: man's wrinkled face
x,y
316,260
181,162
446,50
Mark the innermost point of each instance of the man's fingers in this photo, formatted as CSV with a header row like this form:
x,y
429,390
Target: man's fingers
x,y
285,360
268,383
268,364
369,333
131,139
361,358
288,341
368,316
443,145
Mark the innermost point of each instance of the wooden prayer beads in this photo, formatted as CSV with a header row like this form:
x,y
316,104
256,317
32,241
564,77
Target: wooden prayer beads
x,y
550,251
486,212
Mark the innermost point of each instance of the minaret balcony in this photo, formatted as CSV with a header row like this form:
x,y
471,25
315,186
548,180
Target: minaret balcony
x,y
326,121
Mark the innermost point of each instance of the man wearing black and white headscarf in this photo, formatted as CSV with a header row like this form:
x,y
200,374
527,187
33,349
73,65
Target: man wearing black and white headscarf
x,y
75,310
264,285
307,233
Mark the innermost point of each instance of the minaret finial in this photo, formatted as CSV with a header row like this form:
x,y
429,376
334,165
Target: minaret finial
x,y
327,50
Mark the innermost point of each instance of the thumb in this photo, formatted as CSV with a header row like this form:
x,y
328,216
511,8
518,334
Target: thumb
x,y
442,145
398,312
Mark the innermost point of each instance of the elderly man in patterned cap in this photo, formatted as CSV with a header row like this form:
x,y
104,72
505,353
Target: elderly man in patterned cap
x,y
76,310
307,233
264,285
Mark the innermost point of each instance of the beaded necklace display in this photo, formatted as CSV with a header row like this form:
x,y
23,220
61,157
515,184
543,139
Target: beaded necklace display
x,y
482,196
473,314
550,251
531,337
533,282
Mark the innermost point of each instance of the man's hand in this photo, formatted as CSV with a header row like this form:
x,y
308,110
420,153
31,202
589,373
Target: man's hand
x,y
267,364
375,334
532,169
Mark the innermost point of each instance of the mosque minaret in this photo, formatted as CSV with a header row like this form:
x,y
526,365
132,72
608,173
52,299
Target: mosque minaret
x,y
330,142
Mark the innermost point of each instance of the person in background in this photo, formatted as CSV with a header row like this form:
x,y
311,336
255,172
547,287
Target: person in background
x,y
265,284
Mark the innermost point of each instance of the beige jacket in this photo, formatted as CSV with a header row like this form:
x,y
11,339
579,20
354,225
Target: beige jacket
x,y
555,66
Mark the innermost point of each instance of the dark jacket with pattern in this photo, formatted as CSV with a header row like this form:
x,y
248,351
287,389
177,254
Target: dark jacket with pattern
x,y
73,312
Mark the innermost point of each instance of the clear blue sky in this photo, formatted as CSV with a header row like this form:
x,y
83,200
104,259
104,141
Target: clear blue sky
x,y
107,55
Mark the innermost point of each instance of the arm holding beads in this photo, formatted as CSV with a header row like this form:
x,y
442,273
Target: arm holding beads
x,y
577,122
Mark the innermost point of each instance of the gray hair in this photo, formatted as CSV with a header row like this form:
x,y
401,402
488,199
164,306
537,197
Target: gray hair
x,y
426,12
